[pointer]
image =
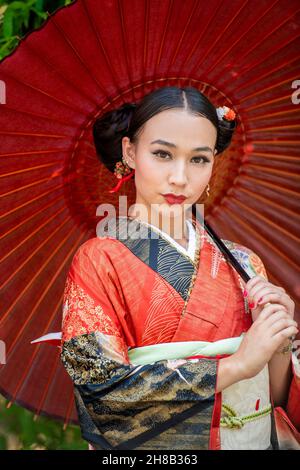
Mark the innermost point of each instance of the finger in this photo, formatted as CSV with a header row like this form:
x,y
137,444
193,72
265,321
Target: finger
x,y
279,297
281,324
284,334
253,281
278,315
261,290
281,288
270,310
259,286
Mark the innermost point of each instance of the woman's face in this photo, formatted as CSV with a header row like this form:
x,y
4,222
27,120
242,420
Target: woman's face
x,y
165,160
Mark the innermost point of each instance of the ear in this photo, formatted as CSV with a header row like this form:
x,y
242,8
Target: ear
x,y
128,151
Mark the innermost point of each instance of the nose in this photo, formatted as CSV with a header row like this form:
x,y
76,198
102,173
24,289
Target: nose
x,y
178,174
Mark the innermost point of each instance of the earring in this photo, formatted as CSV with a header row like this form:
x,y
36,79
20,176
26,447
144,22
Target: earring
x,y
207,190
125,161
123,172
122,168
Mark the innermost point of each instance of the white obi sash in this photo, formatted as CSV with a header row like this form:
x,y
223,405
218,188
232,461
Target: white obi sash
x,y
245,398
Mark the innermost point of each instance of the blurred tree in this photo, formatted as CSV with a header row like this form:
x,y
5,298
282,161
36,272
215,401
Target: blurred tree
x,y
19,431
18,18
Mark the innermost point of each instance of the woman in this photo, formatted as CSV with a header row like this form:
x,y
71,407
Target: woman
x,y
224,360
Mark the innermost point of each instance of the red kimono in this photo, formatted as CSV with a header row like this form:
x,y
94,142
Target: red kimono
x,y
125,292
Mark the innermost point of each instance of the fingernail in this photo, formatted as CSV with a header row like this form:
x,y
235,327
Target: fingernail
x,y
245,293
251,304
259,300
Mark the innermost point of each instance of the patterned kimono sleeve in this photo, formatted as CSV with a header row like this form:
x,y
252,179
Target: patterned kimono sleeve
x,y
162,405
288,418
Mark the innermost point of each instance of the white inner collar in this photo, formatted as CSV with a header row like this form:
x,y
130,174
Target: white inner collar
x,y
190,251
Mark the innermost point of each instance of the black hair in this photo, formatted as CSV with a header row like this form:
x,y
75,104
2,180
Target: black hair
x,y
129,119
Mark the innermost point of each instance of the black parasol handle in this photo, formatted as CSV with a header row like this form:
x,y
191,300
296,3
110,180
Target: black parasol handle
x,y
227,253
223,248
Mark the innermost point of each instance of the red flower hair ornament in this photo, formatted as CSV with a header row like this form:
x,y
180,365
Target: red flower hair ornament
x,y
123,172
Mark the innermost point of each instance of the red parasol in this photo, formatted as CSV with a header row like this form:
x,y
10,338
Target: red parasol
x,y
93,56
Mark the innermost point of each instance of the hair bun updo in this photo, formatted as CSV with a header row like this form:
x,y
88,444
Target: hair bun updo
x,y
108,131
225,132
129,119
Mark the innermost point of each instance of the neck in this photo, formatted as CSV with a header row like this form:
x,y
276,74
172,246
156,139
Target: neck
x,y
175,227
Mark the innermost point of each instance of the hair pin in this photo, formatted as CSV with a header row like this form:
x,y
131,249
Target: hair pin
x,y
225,113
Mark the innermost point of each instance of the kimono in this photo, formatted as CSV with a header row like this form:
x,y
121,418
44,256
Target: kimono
x,y
138,291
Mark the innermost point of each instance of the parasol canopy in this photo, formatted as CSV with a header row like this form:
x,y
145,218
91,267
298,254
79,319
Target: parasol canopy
x,y
88,58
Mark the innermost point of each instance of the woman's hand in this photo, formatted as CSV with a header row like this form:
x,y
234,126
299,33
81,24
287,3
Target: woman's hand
x,y
260,292
272,327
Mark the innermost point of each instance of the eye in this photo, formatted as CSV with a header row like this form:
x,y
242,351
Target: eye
x,y
205,159
161,152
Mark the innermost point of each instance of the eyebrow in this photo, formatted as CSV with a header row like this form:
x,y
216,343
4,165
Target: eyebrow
x,y
169,144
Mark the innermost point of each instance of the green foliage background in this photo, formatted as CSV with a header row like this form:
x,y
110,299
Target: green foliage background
x,y
18,430
20,17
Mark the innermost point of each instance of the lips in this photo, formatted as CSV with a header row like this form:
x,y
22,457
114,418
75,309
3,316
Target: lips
x,y
171,199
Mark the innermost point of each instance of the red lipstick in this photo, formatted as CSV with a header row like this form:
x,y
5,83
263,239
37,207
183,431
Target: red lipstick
x,y
173,198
